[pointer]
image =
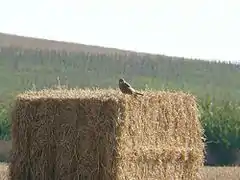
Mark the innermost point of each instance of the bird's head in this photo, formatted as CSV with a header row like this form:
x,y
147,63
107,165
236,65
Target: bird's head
x,y
121,80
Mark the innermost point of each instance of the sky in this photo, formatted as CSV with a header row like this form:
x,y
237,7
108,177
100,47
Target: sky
x,y
206,29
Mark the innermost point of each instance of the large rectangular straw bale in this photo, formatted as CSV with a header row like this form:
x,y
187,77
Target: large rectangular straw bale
x,y
105,135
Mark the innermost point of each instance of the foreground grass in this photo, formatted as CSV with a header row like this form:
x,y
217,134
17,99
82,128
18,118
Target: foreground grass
x,y
220,173
207,173
3,171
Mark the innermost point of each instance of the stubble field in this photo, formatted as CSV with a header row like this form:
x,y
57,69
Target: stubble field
x,y
207,173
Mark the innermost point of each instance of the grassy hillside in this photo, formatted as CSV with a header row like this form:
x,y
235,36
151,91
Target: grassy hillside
x,y
21,68
27,63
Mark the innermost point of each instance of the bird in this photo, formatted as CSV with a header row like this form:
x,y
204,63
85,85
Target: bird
x,y
126,88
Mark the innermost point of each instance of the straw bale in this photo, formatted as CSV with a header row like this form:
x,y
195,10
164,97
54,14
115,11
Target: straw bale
x,y
103,134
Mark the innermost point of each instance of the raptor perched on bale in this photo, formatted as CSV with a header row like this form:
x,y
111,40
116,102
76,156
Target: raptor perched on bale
x,y
126,88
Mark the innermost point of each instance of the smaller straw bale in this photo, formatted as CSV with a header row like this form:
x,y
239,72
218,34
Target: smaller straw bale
x,y
103,134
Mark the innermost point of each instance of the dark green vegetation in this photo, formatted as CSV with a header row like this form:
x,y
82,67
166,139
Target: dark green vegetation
x,y
221,122
4,124
216,85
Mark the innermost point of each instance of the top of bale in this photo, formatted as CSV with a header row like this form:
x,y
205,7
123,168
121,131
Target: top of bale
x,y
92,93
68,94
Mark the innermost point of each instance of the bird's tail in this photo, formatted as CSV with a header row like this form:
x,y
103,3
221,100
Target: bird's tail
x,y
138,93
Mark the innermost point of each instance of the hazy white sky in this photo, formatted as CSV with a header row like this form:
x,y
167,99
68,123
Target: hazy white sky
x,y
208,29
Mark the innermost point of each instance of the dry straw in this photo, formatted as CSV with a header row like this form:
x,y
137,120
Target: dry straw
x,y
105,135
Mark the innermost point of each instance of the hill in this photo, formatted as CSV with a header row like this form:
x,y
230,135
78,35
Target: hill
x,y
30,62
10,40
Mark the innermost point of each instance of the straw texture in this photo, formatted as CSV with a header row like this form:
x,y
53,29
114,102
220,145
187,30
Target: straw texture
x,y
104,135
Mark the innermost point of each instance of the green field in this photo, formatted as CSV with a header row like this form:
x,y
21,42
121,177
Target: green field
x,y
216,85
